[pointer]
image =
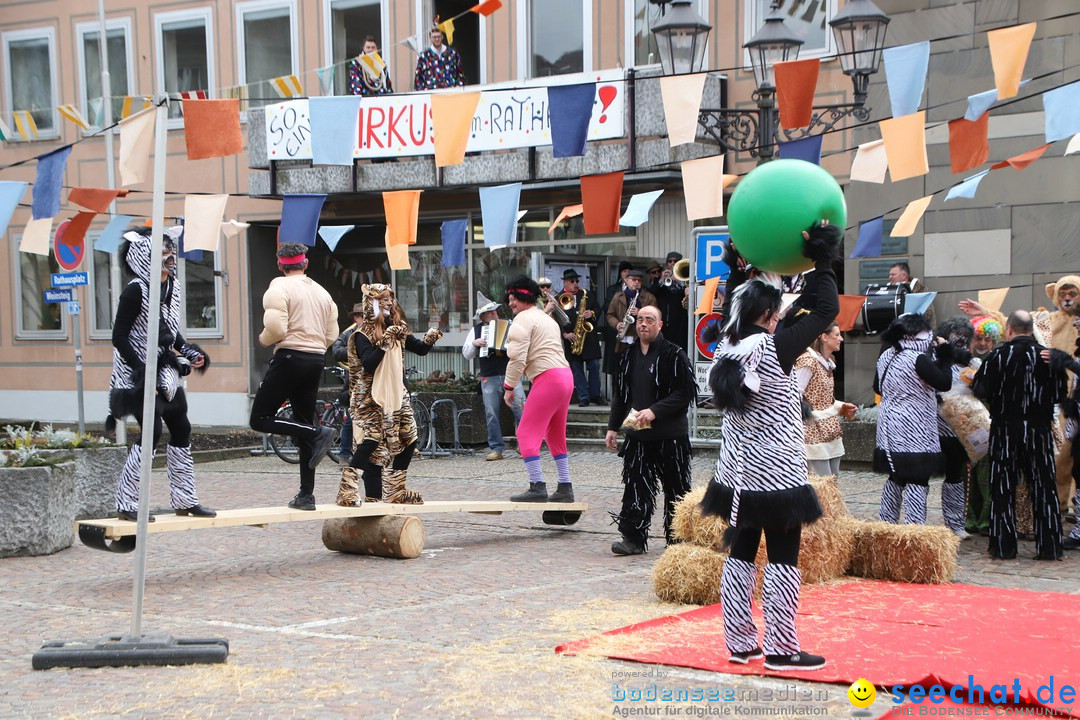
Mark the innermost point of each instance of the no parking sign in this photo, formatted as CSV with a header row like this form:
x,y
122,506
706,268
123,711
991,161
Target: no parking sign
x,y
706,349
69,247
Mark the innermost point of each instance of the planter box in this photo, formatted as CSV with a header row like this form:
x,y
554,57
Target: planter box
x,y
97,471
39,504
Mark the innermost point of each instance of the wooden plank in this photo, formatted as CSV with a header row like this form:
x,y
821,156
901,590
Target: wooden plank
x,y
260,517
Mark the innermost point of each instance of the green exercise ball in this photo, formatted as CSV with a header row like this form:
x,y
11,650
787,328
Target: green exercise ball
x,y
771,207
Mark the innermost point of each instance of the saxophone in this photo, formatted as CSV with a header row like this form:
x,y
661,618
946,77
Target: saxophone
x,y
629,319
582,327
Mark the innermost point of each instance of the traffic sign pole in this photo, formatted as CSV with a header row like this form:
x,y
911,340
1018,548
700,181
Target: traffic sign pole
x,y
76,320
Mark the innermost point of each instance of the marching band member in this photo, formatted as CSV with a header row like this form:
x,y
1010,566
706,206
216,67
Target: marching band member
x,y
585,364
626,304
492,370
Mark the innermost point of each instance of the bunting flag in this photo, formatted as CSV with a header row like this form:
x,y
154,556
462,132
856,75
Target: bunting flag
x,y
708,296
332,234
681,95
807,148
287,86
136,140
796,83
451,121
396,254
1072,147
905,145
47,182
909,219
447,28
453,242
703,185
193,95
868,243
97,110
24,123
486,7
96,199
567,212
601,198
414,43
36,236
202,221
850,308
73,114
637,210
69,241
498,214
1021,161
5,132
919,303
109,240
993,299
133,106
1008,53
1062,108
232,228
333,129
570,110
905,74
212,128
402,210
300,218
966,188
968,144
372,65
326,79
11,194
870,163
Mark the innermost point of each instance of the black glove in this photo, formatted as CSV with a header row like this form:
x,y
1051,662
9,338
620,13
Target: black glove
x,y
821,243
165,337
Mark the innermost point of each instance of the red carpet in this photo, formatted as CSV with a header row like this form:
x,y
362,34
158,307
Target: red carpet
x,y
890,634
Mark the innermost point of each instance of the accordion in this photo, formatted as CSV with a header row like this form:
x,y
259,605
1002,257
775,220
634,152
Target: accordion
x,y
495,333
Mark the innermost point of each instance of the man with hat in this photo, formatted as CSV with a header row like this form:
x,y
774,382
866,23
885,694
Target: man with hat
x,y
670,294
653,270
587,386
608,332
492,368
624,307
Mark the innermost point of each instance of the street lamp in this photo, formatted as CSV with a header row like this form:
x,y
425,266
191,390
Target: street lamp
x,y
859,30
681,36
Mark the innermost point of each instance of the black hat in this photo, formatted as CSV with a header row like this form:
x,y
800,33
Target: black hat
x,y
570,274
635,273
673,256
625,265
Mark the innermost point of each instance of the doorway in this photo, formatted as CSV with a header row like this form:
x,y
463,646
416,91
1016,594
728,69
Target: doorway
x,y
466,33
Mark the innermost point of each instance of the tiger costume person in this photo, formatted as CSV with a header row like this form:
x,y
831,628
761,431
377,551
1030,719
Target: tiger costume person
x,y
379,404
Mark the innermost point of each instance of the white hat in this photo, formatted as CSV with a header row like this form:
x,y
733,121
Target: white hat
x,y
484,305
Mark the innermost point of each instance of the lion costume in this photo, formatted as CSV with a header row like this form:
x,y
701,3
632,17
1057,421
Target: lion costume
x,y
1065,295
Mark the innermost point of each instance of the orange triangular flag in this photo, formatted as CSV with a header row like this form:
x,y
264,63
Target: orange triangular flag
x,y
567,212
402,208
96,199
1021,161
451,121
796,83
708,295
601,198
905,145
487,7
1008,53
850,307
968,145
398,255
992,300
905,226
212,128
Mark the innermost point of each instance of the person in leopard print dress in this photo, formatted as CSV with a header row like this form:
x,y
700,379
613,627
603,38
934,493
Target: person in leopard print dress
x,y
814,375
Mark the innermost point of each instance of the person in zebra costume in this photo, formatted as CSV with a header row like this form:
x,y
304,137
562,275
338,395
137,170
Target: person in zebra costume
x,y
760,482
657,380
959,333
908,448
1022,390
176,358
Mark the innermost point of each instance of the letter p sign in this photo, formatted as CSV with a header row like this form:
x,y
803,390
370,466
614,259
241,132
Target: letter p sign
x,y
710,250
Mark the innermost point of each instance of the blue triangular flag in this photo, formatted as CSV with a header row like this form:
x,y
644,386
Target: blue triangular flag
x,y
333,129
50,176
1062,106
453,242
807,148
637,210
11,193
869,242
570,109
981,102
498,212
331,234
905,73
113,233
918,303
966,188
300,218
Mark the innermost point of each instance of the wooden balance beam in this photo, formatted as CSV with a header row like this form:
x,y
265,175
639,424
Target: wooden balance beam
x,y
385,529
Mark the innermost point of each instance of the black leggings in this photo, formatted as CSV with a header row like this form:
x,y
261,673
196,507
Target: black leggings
x,y
781,544
372,473
174,413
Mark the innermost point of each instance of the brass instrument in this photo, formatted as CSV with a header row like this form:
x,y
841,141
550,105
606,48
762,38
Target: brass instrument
x,y
628,319
680,273
560,315
582,327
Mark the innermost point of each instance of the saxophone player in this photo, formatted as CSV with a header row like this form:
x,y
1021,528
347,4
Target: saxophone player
x,y
624,307
585,364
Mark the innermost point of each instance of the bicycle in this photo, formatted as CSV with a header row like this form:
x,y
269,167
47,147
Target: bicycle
x,y
330,414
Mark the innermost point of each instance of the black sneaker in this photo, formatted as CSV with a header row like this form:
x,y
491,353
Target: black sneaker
x,y
321,446
537,493
564,493
302,502
742,658
1070,543
798,661
627,547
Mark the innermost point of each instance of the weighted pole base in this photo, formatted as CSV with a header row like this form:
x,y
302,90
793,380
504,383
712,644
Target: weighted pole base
x,y
94,536
124,651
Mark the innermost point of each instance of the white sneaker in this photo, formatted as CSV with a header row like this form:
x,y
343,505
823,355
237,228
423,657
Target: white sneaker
x,y
493,455
962,535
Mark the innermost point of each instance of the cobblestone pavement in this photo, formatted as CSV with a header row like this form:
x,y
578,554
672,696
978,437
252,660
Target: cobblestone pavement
x,y
465,630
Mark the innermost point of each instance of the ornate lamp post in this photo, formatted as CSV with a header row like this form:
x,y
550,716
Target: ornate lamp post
x,y
681,37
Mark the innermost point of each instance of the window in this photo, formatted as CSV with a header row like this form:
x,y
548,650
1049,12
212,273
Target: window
x,y
348,23
101,306
809,19
201,294
548,37
184,60
29,59
265,44
37,319
117,34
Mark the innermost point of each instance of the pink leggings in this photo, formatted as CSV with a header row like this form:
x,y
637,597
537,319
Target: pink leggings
x,y
544,416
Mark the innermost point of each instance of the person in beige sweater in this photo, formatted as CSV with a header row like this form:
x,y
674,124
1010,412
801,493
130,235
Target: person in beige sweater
x,y
534,346
300,321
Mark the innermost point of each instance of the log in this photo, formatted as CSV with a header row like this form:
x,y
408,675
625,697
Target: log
x,y
392,536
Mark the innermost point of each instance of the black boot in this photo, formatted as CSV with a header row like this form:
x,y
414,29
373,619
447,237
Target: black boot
x,y
627,547
197,511
537,493
564,493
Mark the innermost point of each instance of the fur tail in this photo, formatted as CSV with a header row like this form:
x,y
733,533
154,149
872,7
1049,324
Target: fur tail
x,y
725,379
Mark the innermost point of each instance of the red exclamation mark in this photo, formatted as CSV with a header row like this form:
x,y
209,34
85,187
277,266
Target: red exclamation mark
x,y
607,96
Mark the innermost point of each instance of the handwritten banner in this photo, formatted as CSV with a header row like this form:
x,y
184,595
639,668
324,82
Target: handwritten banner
x,y
400,125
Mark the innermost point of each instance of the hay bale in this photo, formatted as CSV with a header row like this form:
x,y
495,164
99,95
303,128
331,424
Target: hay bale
x,y
689,574
828,492
904,553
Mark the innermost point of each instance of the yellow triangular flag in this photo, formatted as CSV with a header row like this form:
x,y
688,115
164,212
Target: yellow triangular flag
x,y
131,106
24,123
287,86
373,64
448,30
136,140
905,226
73,114
992,300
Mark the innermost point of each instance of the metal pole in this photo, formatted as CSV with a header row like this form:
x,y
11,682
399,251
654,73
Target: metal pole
x,y
77,321
146,457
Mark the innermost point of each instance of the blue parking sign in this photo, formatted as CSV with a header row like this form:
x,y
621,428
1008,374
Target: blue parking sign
x,y
709,243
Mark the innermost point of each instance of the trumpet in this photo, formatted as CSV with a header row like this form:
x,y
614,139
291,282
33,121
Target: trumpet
x,y
560,309
680,274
